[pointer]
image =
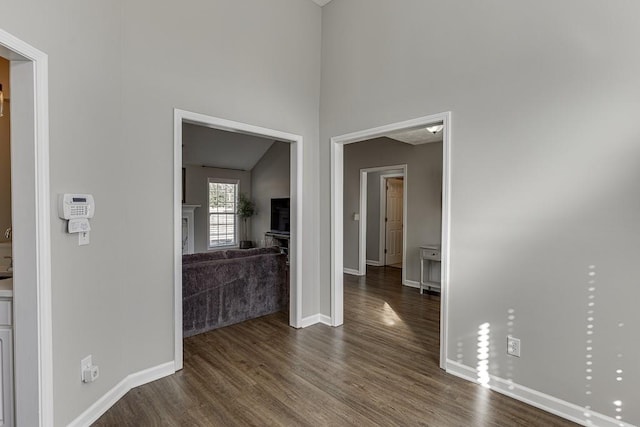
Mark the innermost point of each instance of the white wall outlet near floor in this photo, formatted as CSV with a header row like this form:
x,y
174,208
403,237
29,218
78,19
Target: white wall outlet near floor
x,y
84,365
513,346
88,372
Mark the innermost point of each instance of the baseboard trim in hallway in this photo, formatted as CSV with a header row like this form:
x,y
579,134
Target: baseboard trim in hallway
x,y
543,401
315,319
137,379
380,368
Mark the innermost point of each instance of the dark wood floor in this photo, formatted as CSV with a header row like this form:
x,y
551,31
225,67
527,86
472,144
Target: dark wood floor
x,y
380,368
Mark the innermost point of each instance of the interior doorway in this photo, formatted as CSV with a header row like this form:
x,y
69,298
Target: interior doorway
x,y
443,122
372,207
31,241
393,221
182,117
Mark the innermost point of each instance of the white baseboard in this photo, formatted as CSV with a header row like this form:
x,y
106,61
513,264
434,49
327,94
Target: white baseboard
x,y
373,263
352,272
543,401
315,319
411,283
137,379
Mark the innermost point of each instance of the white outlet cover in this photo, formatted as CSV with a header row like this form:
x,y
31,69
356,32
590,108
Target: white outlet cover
x,y
83,238
513,346
85,364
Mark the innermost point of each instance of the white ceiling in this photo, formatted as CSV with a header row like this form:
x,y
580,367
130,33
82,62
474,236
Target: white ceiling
x,y
321,2
203,146
415,136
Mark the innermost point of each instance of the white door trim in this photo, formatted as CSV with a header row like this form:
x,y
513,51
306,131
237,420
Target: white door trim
x,y
32,232
295,251
362,241
337,210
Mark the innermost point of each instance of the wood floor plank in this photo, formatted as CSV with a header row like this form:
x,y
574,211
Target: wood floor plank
x,y
379,369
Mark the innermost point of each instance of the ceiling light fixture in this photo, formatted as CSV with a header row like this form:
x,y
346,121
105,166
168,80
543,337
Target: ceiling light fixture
x,y
435,128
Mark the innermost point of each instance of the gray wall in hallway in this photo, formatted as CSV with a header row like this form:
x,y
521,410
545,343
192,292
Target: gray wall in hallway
x,y
545,170
423,181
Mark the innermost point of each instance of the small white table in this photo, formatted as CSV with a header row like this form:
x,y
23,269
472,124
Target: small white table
x,y
430,254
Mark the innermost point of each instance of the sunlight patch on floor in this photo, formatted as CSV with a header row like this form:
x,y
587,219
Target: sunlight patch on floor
x,y
389,316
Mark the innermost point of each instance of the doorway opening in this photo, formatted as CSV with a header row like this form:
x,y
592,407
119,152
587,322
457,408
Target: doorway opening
x,y
372,234
30,238
392,222
185,118
338,160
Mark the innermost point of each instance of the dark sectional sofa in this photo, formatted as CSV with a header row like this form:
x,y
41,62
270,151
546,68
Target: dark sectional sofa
x,y
226,287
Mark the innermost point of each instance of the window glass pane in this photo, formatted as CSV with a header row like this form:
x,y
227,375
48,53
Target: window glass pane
x,y
222,213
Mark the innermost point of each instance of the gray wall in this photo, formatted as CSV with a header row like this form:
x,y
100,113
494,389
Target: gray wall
x,y
270,178
197,183
545,161
112,90
234,60
5,155
545,169
373,214
231,60
88,154
423,182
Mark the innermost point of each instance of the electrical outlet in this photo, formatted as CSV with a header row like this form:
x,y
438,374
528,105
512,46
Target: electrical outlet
x,y
85,364
91,374
513,346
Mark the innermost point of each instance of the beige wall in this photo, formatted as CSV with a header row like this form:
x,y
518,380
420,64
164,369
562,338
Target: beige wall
x,y
5,154
545,170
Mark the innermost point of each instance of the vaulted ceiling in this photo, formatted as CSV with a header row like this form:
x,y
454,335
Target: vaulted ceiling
x,y
321,2
203,146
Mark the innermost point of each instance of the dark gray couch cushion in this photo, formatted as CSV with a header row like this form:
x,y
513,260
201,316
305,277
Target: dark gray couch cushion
x,y
204,256
240,253
222,292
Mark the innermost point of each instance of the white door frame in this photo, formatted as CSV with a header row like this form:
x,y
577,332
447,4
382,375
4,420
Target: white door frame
x,y
33,342
295,250
383,213
362,241
337,226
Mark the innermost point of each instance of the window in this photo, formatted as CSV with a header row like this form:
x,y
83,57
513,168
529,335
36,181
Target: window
x,y
223,199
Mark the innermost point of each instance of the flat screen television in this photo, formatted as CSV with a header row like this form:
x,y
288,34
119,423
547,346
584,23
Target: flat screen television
x,y
280,215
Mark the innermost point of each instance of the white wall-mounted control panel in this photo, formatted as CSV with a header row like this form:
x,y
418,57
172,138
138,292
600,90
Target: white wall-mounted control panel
x,y
77,209
76,206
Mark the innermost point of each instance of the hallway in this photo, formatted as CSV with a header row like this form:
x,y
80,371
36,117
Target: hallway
x,y
380,368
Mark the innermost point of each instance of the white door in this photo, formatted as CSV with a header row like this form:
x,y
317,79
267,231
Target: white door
x,y
393,221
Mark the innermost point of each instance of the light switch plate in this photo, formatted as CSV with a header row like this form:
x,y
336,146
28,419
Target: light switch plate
x,y
83,238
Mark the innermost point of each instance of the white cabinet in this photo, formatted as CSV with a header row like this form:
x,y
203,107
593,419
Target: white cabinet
x,y
431,255
6,363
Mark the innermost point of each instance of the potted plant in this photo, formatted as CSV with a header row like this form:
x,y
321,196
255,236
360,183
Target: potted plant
x,y
246,209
